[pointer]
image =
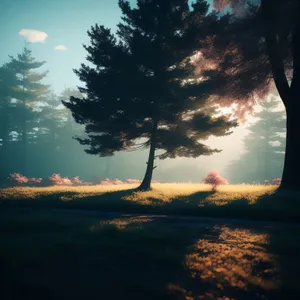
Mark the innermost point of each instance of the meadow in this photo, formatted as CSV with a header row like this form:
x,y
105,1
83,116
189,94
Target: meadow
x,y
63,255
68,242
258,202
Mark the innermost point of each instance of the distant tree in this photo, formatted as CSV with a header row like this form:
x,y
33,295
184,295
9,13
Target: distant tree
x,y
29,91
51,118
56,129
135,95
214,179
8,81
264,146
261,42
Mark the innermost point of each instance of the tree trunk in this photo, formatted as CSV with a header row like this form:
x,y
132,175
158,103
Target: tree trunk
x,y
146,183
291,170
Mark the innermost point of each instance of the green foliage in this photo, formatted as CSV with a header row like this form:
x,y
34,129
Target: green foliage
x,y
136,94
260,46
28,90
8,81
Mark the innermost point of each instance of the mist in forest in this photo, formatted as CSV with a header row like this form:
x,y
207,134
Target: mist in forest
x,y
37,132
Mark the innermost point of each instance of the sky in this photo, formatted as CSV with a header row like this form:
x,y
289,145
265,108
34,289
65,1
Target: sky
x,y
57,29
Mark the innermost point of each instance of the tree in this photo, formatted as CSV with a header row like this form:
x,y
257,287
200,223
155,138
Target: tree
x,y
214,179
262,42
29,91
264,146
138,95
8,81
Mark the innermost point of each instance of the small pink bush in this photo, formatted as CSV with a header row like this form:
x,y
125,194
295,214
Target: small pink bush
x,y
36,180
106,181
19,179
214,179
77,182
56,179
117,182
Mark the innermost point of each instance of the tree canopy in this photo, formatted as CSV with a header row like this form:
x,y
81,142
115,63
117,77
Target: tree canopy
x,y
139,92
258,47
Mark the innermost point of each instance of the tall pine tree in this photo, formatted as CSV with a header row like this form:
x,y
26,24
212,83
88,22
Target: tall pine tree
x,y
8,81
29,91
135,96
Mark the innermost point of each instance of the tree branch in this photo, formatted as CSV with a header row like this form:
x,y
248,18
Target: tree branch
x,y
273,51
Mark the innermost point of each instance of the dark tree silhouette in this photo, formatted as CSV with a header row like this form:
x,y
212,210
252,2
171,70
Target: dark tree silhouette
x,y
135,95
264,146
8,81
28,89
261,42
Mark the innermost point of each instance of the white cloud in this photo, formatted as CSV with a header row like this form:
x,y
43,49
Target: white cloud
x,y
34,36
61,48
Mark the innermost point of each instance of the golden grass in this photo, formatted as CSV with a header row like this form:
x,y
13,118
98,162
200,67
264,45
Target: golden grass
x,y
35,192
160,193
229,201
184,259
122,223
231,260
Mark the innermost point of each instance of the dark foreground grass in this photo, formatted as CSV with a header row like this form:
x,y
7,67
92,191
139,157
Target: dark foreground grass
x,y
59,255
244,201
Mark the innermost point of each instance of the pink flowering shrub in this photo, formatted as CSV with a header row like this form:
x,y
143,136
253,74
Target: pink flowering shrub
x,y
106,181
77,182
18,179
56,179
21,180
275,181
214,179
36,180
117,181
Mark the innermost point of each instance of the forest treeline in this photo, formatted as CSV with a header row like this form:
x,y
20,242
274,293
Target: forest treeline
x,y
36,132
157,84
50,148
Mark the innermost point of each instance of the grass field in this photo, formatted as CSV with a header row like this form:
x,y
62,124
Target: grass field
x,y
59,255
257,202
47,254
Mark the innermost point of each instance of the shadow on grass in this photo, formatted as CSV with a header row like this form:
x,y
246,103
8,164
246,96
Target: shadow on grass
x,y
274,207
141,258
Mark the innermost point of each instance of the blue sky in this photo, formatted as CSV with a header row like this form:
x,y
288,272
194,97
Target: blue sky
x,y
65,22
